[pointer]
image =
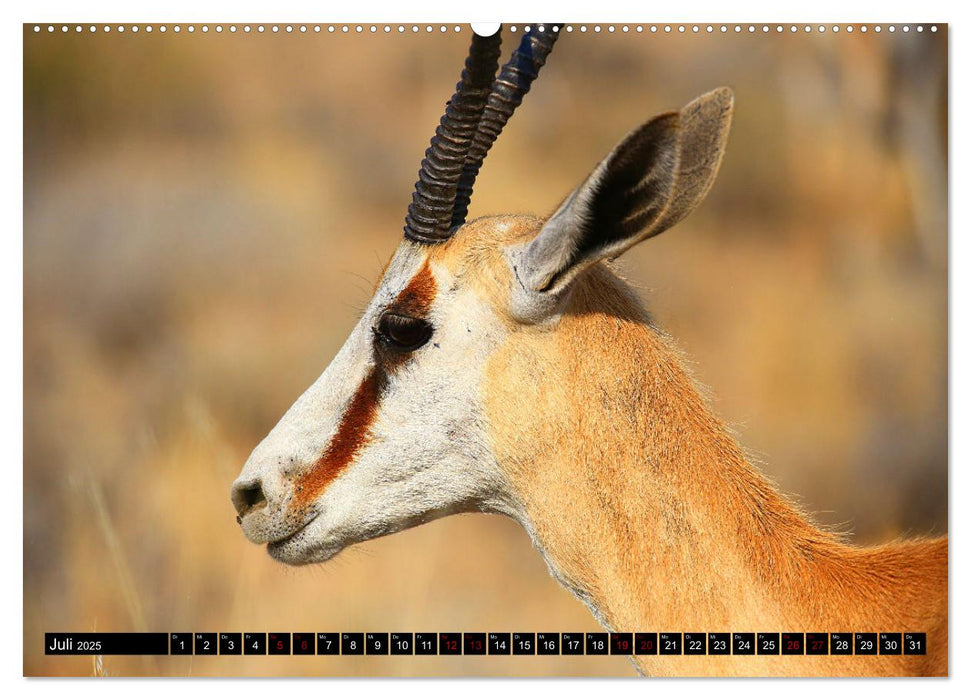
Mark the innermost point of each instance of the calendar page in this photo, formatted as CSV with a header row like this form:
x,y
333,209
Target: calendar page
x,y
525,349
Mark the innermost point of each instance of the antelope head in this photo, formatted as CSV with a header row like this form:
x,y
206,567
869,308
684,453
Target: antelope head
x,y
401,428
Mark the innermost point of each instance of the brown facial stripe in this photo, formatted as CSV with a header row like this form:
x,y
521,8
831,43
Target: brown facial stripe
x,y
354,430
416,299
352,434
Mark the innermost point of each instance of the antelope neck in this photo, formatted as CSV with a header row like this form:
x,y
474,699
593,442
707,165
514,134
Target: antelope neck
x,y
642,503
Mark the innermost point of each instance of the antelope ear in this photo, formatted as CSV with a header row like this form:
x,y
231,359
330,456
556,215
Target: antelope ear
x,y
648,183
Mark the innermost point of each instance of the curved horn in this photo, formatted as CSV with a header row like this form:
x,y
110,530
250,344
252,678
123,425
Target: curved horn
x,y
507,93
430,212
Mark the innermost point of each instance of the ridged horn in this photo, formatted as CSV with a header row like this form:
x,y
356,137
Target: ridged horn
x,y
430,212
507,93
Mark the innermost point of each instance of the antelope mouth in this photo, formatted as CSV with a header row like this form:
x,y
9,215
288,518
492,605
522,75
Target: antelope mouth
x,y
285,548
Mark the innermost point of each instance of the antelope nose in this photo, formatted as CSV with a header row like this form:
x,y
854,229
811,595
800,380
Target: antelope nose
x,y
247,497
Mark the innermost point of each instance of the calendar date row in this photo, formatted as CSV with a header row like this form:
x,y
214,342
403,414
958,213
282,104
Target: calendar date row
x,y
489,643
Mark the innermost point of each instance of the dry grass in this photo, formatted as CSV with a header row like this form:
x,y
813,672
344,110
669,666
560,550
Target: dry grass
x,y
204,219
98,667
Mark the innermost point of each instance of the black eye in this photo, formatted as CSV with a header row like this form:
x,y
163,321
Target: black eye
x,y
403,333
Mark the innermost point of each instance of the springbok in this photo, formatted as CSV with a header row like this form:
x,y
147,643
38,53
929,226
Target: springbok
x,y
503,367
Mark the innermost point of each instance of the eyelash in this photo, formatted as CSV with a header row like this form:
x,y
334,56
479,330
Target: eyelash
x,y
390,324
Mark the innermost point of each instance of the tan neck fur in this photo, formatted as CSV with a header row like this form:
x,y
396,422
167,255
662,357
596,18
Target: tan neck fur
x,y
647,509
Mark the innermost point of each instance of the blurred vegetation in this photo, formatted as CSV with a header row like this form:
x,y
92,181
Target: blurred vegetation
x,y
205,215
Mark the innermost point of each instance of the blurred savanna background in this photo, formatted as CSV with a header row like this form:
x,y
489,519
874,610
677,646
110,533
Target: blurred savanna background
x,y
206,214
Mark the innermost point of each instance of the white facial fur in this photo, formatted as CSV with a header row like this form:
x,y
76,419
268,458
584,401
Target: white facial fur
x,y
427,454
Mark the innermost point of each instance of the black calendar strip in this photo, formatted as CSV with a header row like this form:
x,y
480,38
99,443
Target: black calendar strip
x,y
108,643
487,643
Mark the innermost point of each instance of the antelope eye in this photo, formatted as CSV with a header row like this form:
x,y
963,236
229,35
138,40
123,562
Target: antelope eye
x,y
403,333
